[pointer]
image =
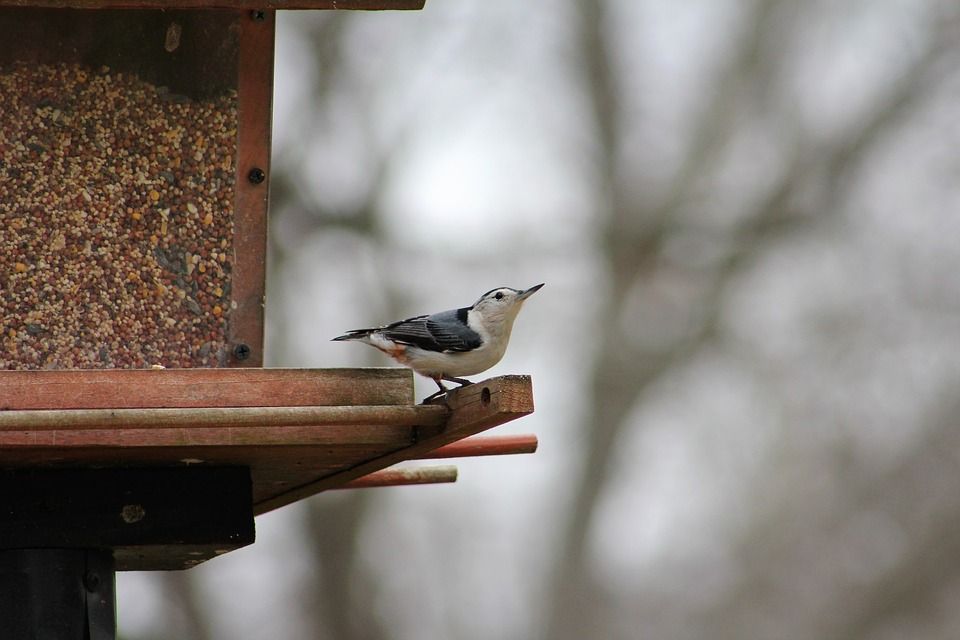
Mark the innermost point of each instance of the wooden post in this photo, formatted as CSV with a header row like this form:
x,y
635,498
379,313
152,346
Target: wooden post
x,y
63,534
57,593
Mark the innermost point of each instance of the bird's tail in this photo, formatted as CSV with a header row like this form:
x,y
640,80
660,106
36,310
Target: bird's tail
x,y
356,334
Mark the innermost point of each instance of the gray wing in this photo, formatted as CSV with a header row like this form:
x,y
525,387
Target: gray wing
x,y
444,331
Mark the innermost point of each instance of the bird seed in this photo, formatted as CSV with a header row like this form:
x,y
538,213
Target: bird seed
x,y
116,221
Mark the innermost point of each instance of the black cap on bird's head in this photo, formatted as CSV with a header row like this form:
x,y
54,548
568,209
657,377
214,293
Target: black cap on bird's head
x,y
504,300
509,294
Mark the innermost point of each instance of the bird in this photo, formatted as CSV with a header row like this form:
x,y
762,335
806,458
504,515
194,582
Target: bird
x,y
451,344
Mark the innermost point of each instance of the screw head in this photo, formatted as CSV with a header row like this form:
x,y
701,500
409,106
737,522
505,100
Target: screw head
x,y
131,513
258,15
256,175
91,581
241,351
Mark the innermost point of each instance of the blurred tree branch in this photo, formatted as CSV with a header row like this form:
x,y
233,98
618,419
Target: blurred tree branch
x,y
192,621
634,236
343,589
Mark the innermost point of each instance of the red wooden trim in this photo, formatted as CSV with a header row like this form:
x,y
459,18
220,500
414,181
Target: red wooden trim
x,y
373,5
485,446
254,94
144,388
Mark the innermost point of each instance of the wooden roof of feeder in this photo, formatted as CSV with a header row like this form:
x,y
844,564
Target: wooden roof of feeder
x,y
167,467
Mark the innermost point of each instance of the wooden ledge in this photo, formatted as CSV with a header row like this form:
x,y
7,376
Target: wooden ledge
x,y
472,409
366,5
298,431
176,388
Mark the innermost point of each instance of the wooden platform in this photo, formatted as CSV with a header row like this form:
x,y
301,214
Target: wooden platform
x,y
368,5
299,432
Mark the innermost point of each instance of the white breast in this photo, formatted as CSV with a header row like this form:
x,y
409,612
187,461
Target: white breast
x,y
456,364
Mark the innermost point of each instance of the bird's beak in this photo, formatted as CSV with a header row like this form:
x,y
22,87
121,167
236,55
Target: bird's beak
x,y
529,292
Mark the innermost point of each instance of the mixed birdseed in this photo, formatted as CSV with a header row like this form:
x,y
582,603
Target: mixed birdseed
x,y
116,221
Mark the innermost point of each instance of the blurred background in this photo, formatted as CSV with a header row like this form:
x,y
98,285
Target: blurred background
x,y
746,360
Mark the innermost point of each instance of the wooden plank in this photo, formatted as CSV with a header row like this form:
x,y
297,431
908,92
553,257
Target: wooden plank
x,y
473,409
220,418
127,509
128,389
321,447
330,435
275,460
403,477
368,5
58,593
274,468
254,95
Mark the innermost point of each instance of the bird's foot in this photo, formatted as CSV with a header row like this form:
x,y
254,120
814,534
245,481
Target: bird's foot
x,y
434,397
442,391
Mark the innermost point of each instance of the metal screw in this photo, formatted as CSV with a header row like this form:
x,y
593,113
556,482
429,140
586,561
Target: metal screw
x,y
241,351
91,581
256,175
258,15
131,513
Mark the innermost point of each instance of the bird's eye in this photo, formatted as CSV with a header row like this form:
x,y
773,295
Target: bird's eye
x,y
499,295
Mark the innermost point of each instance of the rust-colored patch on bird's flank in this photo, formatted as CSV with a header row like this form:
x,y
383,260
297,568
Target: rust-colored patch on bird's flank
x,y
396,351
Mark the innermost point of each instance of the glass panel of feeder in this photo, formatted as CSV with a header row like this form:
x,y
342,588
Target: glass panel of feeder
x,y
118,146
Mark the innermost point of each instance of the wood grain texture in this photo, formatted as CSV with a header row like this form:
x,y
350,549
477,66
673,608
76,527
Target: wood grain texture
x,y
399,477
223,419
473,409
485,446
217,417
274,468
129,389
368,5
254,96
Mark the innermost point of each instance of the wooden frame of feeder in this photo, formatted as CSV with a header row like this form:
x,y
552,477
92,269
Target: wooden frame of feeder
x,y
162,469
110,469
291,432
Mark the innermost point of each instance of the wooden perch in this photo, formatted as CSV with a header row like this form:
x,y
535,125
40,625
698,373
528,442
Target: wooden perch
x,y
485,446
403,476
473,409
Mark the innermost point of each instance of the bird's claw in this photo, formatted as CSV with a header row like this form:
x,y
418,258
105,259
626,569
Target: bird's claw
x,y
442,392
434,397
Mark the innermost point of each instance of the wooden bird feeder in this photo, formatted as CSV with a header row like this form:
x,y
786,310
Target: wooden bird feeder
x,y
138,430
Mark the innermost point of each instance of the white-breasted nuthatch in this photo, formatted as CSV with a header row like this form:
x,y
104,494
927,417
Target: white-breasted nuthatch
x,y
451,344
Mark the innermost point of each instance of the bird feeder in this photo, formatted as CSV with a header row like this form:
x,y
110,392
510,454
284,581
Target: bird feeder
x,y
138,430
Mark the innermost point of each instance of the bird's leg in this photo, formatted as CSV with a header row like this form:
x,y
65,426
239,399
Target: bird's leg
x,y
460,381
438,393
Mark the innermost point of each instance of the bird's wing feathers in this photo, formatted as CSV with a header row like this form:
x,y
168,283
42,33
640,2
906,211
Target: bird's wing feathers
x,y
450,329
444,331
